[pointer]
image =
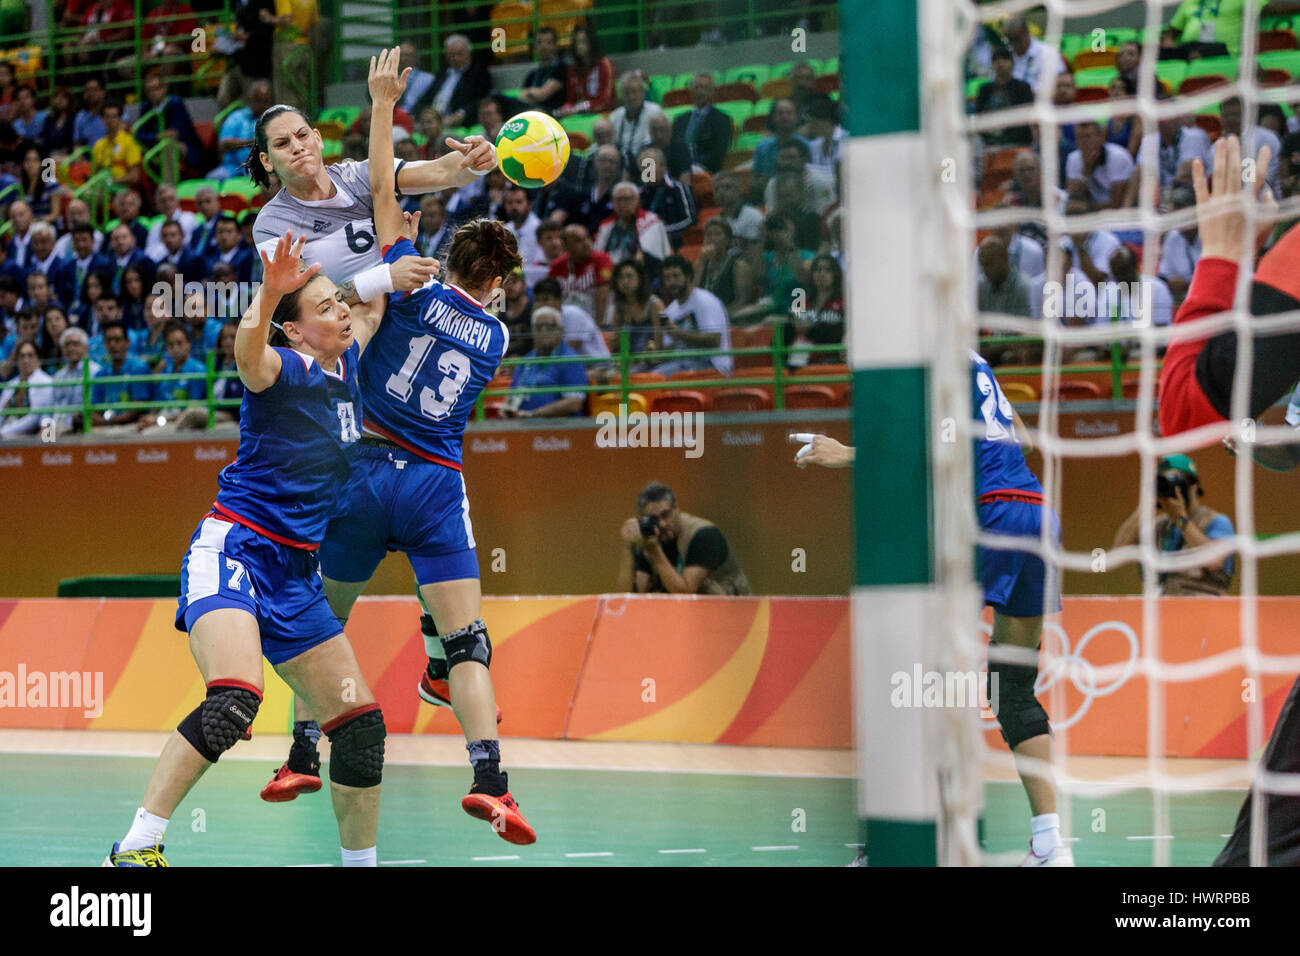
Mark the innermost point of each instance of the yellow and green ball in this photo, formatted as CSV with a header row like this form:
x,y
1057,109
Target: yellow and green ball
x,y
532,149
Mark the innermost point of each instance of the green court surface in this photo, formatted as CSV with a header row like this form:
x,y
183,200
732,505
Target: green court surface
x,y
1198,823
67,811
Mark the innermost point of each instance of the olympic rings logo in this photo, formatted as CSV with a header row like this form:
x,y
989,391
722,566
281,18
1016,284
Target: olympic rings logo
x,y
1072,664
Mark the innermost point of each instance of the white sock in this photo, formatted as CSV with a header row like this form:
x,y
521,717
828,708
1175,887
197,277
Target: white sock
x,y
433,648
1046,833
146,831
360,857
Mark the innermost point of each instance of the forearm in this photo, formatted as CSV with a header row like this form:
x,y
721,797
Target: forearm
x,y
701,340
431,175
251,340
557,409
387,212
673,582
626,567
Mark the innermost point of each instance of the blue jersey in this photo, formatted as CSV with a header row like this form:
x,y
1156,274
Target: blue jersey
x,y
292,467
1001,465
434,352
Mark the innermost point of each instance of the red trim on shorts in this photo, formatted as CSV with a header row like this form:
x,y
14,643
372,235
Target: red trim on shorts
x,y
231,682
389,436
1183,405
342,719
1012,494
224,515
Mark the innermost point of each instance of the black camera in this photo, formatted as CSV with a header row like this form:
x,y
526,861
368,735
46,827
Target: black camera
x,y
1174,484
648,524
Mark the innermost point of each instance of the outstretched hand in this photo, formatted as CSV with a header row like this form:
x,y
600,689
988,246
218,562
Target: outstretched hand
x,y
478,153
386,84
1221,202
284,273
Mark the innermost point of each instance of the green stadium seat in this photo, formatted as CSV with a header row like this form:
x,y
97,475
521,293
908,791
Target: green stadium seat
x,y
513,94
1172,72
682,81
1288,60
1213,66
675,111
762,107
331,147
749,140
347,115
757,74
1116,37
582,123
1098,76
1072,43
973,86
738,110
657,86
830,65
239,186
782,69
187,189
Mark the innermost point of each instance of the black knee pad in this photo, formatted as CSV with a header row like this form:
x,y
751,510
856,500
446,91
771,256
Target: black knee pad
x,y
357,747
223,719
427,627
469,643
1019,713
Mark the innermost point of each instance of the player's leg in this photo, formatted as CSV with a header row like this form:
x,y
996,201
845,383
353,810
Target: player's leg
x,y
225,645
354,545
328,677
434,687
1281,811
456,606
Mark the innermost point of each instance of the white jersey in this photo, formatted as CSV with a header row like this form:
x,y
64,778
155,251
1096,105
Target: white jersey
x,y
340,230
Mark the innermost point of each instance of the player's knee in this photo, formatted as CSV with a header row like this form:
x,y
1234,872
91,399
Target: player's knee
x,y
225,717
1011,695
469,643
357,747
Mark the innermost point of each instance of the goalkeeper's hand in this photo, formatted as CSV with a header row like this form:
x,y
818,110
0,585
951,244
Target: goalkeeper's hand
x,y
1221,201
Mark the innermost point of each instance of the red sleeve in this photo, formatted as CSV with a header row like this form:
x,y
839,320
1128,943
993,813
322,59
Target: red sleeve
x,y
603,266
1183,405
604,99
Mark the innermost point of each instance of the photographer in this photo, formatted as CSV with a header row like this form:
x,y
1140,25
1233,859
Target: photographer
x,y
666,549
1183,522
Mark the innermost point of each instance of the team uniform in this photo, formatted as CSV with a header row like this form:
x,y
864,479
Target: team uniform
x,y
420,375
1016,583
256,550
340,230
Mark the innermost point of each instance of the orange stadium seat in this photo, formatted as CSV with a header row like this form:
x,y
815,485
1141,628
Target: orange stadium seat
x,y
779,86
696,374
694,236
755,124
676,98
741,400
707,213
691,252
1194,83
563,16
999,168
828,83
492,407
609,402
729,92
736,158
1091,94
1211,124
516,34
579,141
809,396
838,390
1020,392
1089,59
646,378
1076,390
1272,76
686,401
702,187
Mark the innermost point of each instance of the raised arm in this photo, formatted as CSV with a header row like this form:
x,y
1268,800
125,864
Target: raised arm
x,y
258,363
386,88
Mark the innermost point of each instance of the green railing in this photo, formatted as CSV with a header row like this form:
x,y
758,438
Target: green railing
x,y
624,357
86,408
622,25
1116,367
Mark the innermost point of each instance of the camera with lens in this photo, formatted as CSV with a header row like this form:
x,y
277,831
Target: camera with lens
x,y
648,524
1174,484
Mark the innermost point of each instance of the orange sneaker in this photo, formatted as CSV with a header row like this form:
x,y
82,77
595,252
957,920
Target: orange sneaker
x,y
286,785
438,692
503,813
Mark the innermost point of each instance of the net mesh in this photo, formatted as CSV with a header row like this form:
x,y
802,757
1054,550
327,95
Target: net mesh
x,y
955,134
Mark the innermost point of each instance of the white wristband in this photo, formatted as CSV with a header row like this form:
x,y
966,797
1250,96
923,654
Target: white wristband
x,y
375,281
484,172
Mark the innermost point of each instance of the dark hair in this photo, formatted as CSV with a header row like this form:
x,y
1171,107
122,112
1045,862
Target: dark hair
x,y
253,165
176,325
549,288
551,30
286,310
548,225
1129,84
837,286
27,312
678,262
170,222
29,344
1003,53
642,293
114,104
655,491
1290,145
798,144
1272,109
822,107
482,250
593,46
225,217
84,227
8,284
114,324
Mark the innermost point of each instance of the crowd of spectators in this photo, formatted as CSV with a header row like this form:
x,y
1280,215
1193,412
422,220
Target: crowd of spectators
x,y
650,229
1103,166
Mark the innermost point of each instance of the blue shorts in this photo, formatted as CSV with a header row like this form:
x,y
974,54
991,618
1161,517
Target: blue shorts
x,y
397,501
228,565
1018,583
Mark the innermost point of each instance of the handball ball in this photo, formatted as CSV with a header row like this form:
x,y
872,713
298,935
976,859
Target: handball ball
x,y
532,149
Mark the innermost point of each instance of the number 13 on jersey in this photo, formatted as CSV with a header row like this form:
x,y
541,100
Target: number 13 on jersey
x,y
455,367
